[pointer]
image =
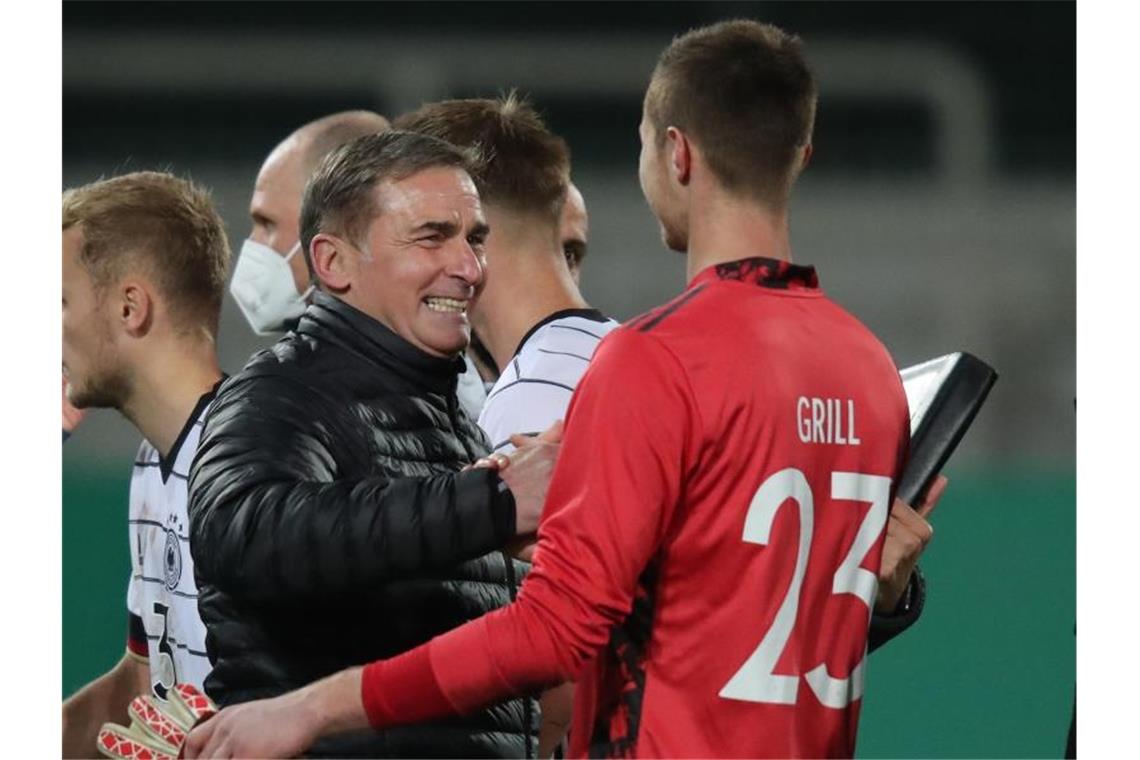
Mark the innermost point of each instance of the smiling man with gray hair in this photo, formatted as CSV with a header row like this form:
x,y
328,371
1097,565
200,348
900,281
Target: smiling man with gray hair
x,y
329,521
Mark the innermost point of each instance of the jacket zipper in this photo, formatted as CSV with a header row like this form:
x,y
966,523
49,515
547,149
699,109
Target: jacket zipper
x,y
453,419
512,582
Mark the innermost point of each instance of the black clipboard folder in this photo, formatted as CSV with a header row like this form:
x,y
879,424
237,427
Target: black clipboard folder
x,y
944,395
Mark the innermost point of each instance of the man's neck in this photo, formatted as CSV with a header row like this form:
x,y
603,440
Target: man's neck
x,y
168,387
725,228
527,291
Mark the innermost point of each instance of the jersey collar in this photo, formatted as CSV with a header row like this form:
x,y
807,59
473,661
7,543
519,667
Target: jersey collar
x,y
166,463
591,314
765,272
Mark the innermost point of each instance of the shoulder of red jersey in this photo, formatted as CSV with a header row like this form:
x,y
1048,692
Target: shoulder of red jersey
x,y
651,319
630,357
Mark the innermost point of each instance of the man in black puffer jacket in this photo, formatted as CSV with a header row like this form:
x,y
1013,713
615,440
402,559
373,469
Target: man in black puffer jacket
x,y
329,523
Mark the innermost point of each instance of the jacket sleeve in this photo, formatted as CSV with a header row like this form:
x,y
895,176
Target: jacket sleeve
x,y
271,519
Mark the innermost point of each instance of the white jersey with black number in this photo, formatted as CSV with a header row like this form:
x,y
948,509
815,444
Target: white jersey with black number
x,y
534,389
162,598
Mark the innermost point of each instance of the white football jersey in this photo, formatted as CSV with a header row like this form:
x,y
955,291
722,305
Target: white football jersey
x,y
470,390
534,390
161,596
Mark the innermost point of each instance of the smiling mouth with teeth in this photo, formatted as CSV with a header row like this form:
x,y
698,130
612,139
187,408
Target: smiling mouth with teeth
x,y
446,305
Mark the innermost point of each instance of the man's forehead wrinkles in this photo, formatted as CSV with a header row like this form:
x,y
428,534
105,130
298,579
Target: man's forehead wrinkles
x,y
431,195
399,200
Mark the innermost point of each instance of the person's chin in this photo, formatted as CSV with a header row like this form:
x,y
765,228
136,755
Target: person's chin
x,y
673,240
450,342
78,398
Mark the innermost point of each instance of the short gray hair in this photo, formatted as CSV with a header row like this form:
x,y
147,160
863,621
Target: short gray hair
x,y
340,197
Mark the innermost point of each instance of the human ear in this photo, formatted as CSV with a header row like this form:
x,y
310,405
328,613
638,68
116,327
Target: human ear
x,y
334,268
135,308
680,155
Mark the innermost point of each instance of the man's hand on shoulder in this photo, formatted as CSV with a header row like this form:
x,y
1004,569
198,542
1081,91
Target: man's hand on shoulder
x,y
908,534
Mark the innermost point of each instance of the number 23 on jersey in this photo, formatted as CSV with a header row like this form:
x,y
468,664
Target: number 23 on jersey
x,y
756,680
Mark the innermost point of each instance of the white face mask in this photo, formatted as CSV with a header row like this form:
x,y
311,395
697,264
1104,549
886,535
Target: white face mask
x,y
264,290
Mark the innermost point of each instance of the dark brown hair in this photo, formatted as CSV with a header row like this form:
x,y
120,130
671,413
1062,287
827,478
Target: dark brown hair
x,y
742,91
340,197
526,166
160,224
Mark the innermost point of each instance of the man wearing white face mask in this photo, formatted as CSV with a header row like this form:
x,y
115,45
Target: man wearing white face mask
x,y
264,288
271,283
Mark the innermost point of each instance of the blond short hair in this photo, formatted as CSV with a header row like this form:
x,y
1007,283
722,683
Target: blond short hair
x,y
160,225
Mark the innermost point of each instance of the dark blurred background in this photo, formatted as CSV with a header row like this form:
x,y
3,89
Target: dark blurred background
x,y
939,207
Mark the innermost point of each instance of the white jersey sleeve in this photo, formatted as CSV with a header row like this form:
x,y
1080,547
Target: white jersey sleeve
x,y
535,388
527,408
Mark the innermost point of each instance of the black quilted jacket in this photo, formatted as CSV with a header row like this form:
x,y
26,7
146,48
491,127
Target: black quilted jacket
x,y
329,527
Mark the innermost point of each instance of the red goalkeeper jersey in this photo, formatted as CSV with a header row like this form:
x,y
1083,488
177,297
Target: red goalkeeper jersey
x,y
707,559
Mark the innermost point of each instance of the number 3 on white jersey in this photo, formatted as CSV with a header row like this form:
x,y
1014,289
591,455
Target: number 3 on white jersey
x,y
755,681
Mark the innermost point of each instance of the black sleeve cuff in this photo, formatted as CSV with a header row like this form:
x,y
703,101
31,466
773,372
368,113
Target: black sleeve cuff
x,y
885,627
504,506
484,494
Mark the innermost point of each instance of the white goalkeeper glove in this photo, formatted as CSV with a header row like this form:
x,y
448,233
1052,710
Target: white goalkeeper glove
x,y
157,730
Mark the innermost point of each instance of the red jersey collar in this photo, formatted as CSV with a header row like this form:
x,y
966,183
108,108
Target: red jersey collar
x,y
765,272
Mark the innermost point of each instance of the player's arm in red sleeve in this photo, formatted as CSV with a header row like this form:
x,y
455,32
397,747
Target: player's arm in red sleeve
x,y
630,433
